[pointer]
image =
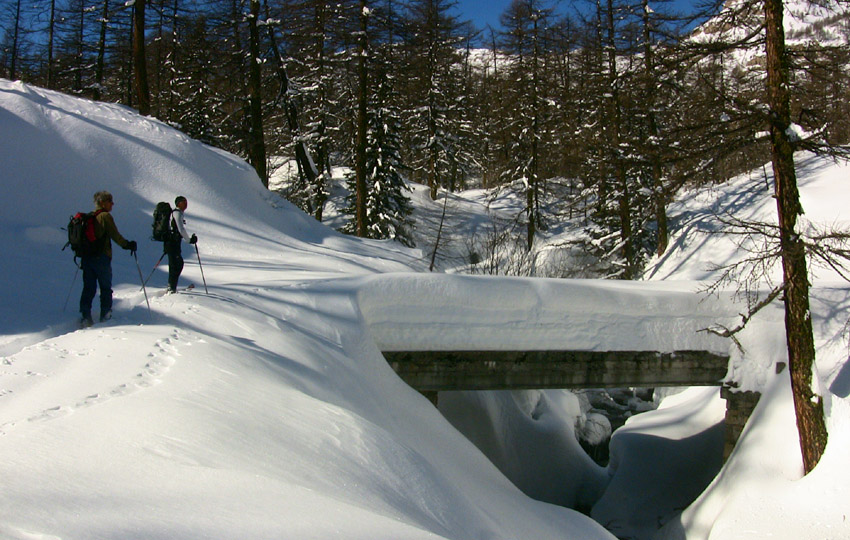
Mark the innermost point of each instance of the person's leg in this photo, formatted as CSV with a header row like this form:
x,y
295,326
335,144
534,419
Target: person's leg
x,y
175,265
89,288
104,280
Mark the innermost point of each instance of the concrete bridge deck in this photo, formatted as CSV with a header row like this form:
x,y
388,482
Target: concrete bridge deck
x,y
433,371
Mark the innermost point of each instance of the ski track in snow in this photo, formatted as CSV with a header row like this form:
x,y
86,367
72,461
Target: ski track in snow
x,y
159,363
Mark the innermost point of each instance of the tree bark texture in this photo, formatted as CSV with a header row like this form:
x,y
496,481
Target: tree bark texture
x,y
360,150
798,322
51,28
13,70
256,140
139,60
101,48
650,80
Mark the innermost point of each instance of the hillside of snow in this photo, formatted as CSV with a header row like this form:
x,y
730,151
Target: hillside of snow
x,y
261,410
264,408
823,23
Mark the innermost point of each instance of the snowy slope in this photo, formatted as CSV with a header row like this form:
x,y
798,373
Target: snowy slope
x,y
698,246
261,410
822,22
58,151
264,409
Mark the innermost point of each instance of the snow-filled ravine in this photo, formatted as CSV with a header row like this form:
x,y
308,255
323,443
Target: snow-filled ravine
x,y
264,409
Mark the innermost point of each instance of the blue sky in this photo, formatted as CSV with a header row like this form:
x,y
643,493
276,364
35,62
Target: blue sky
x,y
482,12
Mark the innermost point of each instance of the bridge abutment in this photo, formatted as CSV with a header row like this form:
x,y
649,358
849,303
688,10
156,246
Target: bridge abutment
x,y
739,407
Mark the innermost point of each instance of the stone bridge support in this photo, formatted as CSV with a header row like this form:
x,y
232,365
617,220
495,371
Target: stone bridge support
x,y
739,407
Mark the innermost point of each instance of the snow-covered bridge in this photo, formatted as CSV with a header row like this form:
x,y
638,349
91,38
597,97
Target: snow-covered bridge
x,y
452,332
415,312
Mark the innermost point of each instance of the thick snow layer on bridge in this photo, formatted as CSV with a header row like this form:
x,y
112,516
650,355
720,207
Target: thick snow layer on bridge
x,y
454,312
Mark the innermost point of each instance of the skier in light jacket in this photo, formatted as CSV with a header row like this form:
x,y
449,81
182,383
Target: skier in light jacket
x,y
173,246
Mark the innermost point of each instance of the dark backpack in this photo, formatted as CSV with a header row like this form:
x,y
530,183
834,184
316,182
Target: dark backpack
x,y
162,222
81,234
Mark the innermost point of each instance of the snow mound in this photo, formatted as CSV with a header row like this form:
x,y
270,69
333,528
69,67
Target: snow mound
x,y
260,410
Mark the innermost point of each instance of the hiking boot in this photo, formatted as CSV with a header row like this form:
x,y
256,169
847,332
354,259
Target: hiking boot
x,y
106,316
85,321
170,291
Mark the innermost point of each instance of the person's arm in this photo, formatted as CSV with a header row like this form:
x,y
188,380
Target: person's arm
x,y
177,216
108,224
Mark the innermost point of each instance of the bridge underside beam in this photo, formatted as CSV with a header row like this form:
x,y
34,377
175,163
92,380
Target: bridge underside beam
x,y
432,371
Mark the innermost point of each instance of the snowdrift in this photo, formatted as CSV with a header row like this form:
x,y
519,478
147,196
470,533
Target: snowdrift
x,y
261,410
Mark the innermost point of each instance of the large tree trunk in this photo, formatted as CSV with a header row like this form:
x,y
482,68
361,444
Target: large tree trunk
x,y
256,139
101,50
360,150
798,323
624,209
51,27
659,189
139,60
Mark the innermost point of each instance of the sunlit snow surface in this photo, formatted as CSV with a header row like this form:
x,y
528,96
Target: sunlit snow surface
x,y
265,410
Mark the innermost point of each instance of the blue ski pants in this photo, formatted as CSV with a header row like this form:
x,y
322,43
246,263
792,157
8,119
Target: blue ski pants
x,y
97,272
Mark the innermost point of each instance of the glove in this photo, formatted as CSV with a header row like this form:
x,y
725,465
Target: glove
x,y
193,240
132,246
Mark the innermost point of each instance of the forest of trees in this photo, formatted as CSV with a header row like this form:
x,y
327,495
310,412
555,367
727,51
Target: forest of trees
x,y
605,108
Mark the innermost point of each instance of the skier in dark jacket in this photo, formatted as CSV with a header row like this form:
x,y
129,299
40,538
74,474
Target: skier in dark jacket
x,y
97,268
173,247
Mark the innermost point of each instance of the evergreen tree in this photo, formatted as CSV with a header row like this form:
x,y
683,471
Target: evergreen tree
x,y
387,207
166,51
603,169
489,107
526,23
435,110
284,112
623,176
192,109
808,406
361,143
140,61
233,100
256,136
74,46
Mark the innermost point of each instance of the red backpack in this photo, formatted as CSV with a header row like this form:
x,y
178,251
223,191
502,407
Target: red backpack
x,y
81,235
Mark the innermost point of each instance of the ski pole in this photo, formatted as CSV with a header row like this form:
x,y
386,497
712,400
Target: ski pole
x,y
201,266
139,268
145,282
71,289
